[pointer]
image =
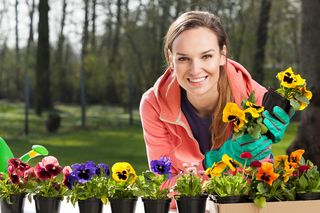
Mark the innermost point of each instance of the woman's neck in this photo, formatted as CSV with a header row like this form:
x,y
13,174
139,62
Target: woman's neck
x,y
204,104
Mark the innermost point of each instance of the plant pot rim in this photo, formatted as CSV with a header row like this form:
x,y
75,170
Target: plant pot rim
x,y
144,198
193,197
40,196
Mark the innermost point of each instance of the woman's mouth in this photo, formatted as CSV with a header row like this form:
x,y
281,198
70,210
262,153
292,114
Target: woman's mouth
x,y
197,80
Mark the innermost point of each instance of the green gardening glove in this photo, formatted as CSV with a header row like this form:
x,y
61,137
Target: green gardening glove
x,y
259,149
277,123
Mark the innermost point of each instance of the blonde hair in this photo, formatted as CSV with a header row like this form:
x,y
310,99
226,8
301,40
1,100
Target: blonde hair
x,y
194,19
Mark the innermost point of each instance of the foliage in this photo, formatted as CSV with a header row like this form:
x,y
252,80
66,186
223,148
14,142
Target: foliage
x,y
150,182
45,179
227,185
246,120
15,182
189,182
87,180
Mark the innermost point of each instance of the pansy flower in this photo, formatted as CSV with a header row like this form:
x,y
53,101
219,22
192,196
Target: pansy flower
x,y
266,173
288,79
280,161
296,156
162,166
232,113
255,164
122,172
105,169
51,165
232,164
41,172
84,172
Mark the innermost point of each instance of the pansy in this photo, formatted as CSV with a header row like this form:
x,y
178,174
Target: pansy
x,y
41,172
232,113
266,173
296,156
122,171
288,79
280,160
232,164
162,166
84,172
303,168
51,165
105,168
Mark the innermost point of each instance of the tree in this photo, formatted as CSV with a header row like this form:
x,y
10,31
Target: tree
x,y
18,65
308,133
43,95
262,36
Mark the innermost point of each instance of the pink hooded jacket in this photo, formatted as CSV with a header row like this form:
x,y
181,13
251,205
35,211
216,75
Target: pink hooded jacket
x,y
166,129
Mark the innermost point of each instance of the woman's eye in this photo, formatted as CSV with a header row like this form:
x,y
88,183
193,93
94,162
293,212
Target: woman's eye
x,y
183,59
207,56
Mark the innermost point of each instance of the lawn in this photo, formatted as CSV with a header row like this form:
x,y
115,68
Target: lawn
x,y
108,137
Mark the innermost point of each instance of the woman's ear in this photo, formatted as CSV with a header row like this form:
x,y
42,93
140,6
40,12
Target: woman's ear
x,y
223,58
170,59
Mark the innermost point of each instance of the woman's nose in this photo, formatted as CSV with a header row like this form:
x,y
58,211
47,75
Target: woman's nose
x,y
195,67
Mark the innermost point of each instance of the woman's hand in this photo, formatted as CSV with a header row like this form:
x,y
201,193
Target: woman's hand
x,y
259,148
277,123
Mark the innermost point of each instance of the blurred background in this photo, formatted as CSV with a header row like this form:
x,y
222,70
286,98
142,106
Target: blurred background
x,y
72,72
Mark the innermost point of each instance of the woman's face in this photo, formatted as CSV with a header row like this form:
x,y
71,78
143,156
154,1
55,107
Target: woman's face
x,y
196,59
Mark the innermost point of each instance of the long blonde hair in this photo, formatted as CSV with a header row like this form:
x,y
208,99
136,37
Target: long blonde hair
x,y
191,20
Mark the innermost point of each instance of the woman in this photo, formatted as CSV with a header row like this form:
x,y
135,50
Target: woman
x,y
182,113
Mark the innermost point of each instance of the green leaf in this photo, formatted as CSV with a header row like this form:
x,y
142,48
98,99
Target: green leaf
x,y
301,98
260,202
295,104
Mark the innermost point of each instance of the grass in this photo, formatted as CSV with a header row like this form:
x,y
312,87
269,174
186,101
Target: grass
x,y
108,137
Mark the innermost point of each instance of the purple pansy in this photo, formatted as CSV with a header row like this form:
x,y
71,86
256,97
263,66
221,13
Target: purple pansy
x,y
162,166
84,172
105,168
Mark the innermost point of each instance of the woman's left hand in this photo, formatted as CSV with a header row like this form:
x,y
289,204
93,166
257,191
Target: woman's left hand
x,y
278,123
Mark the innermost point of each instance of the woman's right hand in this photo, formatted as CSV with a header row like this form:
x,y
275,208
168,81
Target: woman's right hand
x,y
259,148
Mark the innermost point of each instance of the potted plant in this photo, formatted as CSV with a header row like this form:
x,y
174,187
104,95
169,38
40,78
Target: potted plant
x,y
154,197
230,186
306,178
190,196
292,92
47,188
13,186
88,184
122,191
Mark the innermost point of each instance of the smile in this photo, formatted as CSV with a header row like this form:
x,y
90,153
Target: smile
x,y
197,80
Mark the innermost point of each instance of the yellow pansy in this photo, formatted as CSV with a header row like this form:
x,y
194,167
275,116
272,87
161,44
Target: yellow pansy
x,y
122,172
255,106
289,80
296,156
232,113
232,164
280,160
253,112
216,169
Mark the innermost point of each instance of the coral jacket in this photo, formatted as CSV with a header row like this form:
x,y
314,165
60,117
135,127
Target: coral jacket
x,y
166,129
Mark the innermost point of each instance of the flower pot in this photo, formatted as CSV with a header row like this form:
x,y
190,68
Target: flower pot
x,y
271,99
92,205
47,204
156,206
232,199
192,204
123,205
308,196
16,206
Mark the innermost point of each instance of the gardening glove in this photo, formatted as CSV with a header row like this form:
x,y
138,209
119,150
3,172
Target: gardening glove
x,y
259,148
277,122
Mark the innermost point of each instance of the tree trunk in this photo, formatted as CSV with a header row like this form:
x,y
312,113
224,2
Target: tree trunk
x,y
308,133
60,66
43,95
85,39
93,22
262,36
17,50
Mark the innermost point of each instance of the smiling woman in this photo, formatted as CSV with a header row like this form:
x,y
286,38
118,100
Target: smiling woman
x,y
182,113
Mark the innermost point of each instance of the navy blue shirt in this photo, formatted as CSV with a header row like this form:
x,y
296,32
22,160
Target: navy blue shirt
x,y
200,126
